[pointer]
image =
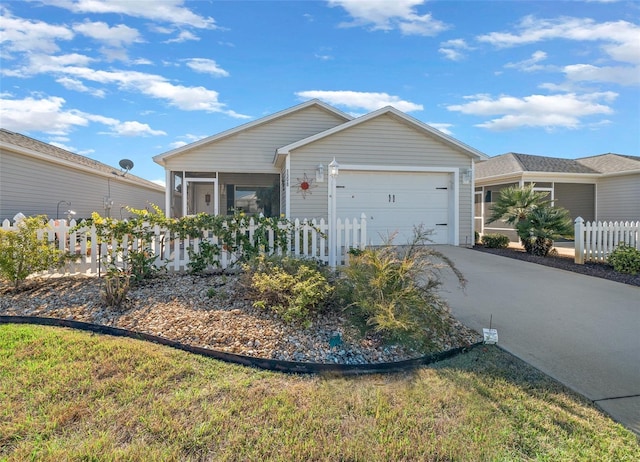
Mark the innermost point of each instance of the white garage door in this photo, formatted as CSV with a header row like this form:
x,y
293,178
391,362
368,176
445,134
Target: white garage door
x,y
396,201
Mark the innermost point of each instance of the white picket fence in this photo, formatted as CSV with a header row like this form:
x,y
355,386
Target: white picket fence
x,y
307,239
594,241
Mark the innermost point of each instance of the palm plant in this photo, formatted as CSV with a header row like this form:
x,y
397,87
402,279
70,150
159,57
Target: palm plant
x,y
542,226
515,203
534,217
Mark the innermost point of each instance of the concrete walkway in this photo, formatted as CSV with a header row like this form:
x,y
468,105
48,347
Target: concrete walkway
x,y
582,331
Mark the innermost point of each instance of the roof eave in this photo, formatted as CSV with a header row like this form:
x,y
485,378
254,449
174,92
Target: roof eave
x,y
161,158
73,165
286,150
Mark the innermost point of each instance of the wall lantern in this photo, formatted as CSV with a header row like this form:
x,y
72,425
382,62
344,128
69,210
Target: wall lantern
x,y
465,174
320,173
334,168
66,203
207,199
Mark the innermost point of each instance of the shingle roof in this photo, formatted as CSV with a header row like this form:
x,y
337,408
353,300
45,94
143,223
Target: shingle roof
x,y
611,163
520,163
23,141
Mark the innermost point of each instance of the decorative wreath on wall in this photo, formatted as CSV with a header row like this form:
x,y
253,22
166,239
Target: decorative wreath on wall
x,y
305,184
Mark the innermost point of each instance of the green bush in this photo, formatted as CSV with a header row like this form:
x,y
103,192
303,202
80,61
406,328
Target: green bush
x,y
391,290
23,253
625,259
495,241
293,288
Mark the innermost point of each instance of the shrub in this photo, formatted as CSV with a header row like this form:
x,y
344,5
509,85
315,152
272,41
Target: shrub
x,y
541,226
495,241
23,253
391,290
534,217
116,288
476,237
625,259
293,288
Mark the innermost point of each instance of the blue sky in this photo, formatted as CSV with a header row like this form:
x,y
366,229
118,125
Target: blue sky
x,y
136,78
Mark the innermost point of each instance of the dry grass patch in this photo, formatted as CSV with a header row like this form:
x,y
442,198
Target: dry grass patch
x,y
69,395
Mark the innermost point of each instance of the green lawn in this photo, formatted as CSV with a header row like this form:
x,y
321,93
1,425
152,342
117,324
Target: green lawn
x,y
68,395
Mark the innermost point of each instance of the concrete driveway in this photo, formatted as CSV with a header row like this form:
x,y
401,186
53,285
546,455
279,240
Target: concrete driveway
x,y
582,331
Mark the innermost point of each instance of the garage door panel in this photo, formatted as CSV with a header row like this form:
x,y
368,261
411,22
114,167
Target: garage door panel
x,y
394,202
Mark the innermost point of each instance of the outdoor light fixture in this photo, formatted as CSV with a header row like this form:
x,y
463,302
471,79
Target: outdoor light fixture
x,y
465,173
320,173
334,168
66,203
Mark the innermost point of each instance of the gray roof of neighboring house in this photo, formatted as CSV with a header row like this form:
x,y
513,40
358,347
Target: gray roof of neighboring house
x,y
26,142
519,163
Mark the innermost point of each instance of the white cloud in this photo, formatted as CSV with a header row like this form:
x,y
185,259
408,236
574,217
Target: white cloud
x,y
444,128
620,37
531,64
171,11
177,144
142,62
206,66
155,86
389,15
360,100
618,40
22,35
454,49
47,115
77,85
183,36
548,111
132,128
623,75
116,36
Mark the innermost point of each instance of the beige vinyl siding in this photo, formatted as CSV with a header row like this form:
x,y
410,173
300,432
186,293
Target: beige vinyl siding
x,y
33,187
578,199
384,141
497,227
618,198
253,149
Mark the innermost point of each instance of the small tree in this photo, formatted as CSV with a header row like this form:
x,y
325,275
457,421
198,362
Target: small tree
x,y
542,226
534,217
515,203
23,253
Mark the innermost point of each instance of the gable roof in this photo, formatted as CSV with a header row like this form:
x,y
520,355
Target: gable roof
x,y
474,153
515,163
160,158
23,144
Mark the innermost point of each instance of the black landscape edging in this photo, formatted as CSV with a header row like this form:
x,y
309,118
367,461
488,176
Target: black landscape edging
x,y
291,367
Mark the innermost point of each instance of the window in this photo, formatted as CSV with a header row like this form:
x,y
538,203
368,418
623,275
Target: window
x,y
253,200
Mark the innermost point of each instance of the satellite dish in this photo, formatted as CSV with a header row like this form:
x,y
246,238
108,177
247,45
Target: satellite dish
x,y
126,165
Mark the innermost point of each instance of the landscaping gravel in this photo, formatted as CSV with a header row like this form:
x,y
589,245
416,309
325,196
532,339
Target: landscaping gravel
x,y
565,262
212,312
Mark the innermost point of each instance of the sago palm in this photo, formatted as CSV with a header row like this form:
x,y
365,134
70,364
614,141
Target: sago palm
x,y
542,226
515,203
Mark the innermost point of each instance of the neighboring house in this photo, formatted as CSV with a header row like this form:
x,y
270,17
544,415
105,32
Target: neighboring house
x,y
397,170
39,178
601,188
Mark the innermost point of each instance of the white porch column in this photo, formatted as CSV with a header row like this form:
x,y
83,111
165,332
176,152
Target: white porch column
x,y
332,215
168,191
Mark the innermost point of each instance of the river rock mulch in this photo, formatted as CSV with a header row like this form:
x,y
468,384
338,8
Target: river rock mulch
x,y
212,312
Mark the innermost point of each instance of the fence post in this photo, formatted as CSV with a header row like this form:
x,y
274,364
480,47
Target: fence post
x,y
579,241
